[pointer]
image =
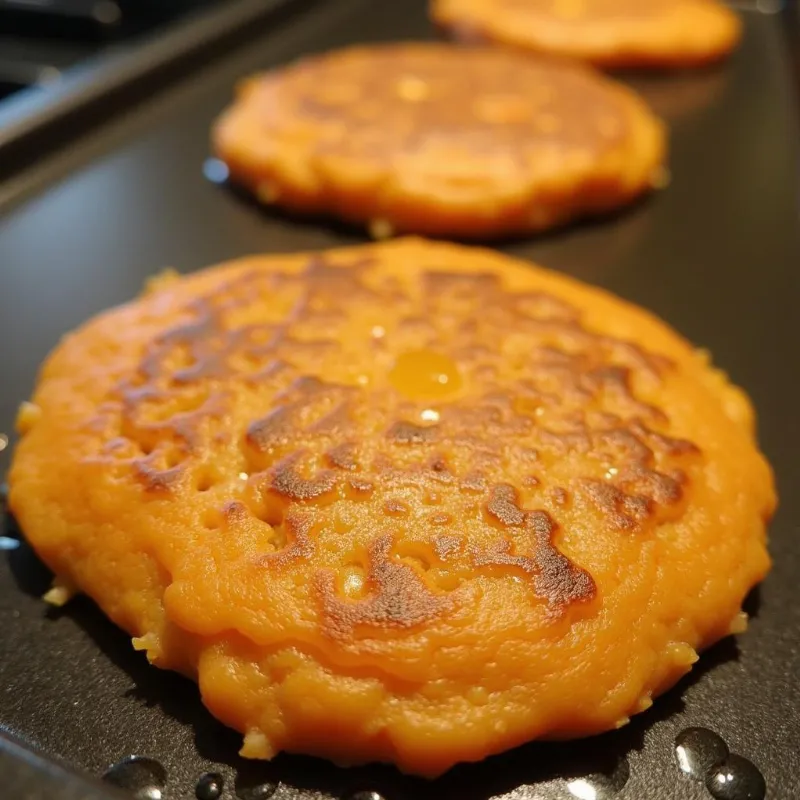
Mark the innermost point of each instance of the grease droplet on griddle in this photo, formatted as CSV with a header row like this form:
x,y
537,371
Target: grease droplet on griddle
x,y
215,170
6,542
260,791
736,779
143,777
209,786
698,751
365,795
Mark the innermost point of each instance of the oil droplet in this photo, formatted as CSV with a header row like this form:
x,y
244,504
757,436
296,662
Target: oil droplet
x,y
215,170
736,779
143,777
209,786
365,795
698,751
425,374
258,791
3,442
7,543
429,415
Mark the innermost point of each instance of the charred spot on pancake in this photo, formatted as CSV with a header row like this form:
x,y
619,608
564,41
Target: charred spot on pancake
x,y
298,547
361,486
439,464
503,506
160,470
446,545
287,481
397,598
555,579
154,479
622,510
668,445
273,430
343,456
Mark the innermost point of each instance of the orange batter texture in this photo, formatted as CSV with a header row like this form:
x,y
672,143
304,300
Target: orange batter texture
x,y
434,139
609,33
408,502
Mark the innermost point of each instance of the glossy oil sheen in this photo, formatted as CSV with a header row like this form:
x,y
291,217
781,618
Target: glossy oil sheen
x,y
144,778
365,795
215,170
209,786
259,791
715,254
425,375
698,751
736,779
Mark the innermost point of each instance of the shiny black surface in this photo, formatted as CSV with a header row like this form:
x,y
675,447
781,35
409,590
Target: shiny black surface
x,y
55,88
27,776
41,39
716,254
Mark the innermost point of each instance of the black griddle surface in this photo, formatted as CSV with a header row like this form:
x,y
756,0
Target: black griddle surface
x,y
717,255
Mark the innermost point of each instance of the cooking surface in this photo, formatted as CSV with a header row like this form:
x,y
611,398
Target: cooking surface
x,y
42,39
716,255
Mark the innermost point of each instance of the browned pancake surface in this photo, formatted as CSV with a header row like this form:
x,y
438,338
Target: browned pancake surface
x,y
410,502
609,33
429,138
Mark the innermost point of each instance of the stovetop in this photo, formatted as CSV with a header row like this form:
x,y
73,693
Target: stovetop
x,y
68,65
40,40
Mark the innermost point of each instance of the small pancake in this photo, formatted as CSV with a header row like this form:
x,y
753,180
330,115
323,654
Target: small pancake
x,y
608,33
408,502
441,140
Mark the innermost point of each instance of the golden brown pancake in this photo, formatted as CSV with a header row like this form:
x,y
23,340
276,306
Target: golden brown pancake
x,y
609,33
409,502
441,140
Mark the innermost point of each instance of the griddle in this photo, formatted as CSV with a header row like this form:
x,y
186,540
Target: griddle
x,y
716,254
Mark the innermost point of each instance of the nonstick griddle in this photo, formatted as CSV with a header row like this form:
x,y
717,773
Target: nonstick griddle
x,y
717,255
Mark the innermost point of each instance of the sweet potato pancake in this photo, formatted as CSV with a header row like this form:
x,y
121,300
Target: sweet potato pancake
x,y
441,140
611,33
407,502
